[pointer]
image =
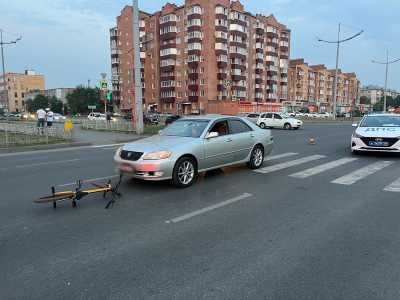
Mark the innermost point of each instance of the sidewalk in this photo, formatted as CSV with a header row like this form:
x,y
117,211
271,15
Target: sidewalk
x,y
103,137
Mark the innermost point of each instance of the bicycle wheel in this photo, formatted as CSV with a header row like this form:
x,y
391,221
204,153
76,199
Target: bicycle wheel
x,y
56,197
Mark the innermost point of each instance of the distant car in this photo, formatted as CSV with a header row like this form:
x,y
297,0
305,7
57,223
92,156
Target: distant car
x,y
59,117
192,145
95,116
324,115
171,119
252,117
377,133
150,119
278,120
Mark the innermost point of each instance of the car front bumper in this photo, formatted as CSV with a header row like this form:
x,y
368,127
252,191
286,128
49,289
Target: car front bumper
x,y
152,170
358,145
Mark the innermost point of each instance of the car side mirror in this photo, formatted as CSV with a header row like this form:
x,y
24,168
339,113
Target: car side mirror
x,y
212,134
354,125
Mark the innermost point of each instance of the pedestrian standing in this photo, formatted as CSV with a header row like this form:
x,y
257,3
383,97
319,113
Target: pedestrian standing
x,y
49,117
108,118
41,117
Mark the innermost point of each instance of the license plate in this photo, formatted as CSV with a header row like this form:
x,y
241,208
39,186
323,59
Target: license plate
x,y
378,144
126,168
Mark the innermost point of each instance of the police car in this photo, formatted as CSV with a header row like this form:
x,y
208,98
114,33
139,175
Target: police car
x,y
377,133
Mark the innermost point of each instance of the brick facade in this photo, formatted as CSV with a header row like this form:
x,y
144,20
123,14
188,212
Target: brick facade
x,y
204,50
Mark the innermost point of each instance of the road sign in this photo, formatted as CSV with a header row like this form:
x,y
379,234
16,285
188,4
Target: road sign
x,y
91,107
109,96
104,85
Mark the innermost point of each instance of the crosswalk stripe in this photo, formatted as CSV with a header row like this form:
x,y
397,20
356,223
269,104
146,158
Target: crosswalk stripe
x,y
322,168
289,164
393,187
362,173
280,156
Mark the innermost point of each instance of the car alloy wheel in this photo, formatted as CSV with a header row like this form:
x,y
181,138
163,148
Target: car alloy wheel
x,y
256,157
287,126
262,126
185,172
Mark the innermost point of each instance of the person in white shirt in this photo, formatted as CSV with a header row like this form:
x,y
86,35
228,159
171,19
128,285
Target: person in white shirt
x,y
41,117
49,117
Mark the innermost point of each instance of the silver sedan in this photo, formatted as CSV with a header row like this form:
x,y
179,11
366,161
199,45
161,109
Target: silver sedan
x,y
192,145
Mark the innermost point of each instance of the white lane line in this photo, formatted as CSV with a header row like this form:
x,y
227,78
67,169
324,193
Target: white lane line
x,y
393,187
281,156
208,208
362,173
109,145
47,163
89,180
322,168
289,164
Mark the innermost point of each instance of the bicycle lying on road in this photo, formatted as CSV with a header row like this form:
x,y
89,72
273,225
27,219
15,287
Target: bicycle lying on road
x,y
79,193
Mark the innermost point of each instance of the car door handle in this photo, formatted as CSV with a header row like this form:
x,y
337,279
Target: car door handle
x,y
228,140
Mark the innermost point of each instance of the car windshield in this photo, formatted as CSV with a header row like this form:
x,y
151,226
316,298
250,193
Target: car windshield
x,y
381,121
186,128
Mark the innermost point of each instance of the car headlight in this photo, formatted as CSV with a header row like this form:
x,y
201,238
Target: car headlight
x,y
157,155
356,135
118,153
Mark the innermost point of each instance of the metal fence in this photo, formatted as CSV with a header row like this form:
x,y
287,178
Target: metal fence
x,y
114,125
27,133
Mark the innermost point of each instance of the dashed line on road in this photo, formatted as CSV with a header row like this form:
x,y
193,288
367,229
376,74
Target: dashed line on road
x,y
89,180
208,208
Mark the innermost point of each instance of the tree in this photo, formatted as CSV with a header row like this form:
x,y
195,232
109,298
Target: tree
x,y
56,105
81,98
365,100
390,102
38,102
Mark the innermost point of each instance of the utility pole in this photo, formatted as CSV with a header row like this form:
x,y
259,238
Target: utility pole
x,y
137,63
2,43
387,63
338,42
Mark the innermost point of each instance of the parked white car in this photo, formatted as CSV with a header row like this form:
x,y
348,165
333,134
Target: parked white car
x,y
95,116
58,117
278,120
252,117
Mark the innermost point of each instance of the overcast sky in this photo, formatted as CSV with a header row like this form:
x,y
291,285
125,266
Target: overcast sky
x,y
68,40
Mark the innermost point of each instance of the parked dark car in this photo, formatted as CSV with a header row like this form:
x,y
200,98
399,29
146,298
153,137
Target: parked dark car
x,y
171,119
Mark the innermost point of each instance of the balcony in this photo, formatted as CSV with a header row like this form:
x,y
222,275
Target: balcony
x,y
194,10
115,52
272,96
272,69
272,31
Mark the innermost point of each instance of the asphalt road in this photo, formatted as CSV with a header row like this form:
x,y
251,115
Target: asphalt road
x,y
315,223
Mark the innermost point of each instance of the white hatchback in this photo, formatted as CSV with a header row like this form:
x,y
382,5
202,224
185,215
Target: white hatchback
x,y
278,120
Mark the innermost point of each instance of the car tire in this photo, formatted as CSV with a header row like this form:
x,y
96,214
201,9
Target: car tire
x,y
185,172
287,126
256,157
262,125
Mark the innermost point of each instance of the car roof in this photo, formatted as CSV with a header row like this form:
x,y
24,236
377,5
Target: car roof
x,y
209,117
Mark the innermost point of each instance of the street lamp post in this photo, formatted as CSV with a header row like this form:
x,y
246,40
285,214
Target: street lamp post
x,y
338,42
2,43
387,63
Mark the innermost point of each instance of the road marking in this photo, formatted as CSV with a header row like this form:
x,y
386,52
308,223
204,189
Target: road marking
x,y
89,180
362,173
109,145
281,156
47,163
322,168
393,187
208,208
289,164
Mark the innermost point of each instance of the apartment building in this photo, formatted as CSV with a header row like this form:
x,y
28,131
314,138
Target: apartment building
x,y
375,93
198,54
15,86
312,86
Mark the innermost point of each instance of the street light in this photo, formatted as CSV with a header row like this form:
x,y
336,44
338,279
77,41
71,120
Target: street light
x,y
338,42
2,43
137,63
387,63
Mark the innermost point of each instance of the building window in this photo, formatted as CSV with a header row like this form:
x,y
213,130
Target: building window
x,y
23,95
202,81
202,93
201,70
16,95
